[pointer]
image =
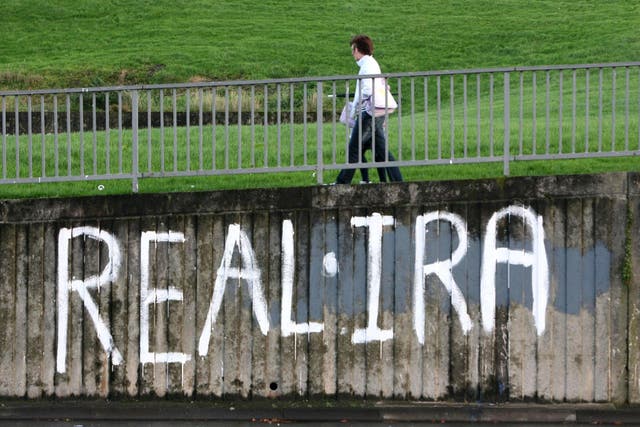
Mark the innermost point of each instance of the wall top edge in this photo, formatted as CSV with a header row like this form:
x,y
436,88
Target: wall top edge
x,y
433,193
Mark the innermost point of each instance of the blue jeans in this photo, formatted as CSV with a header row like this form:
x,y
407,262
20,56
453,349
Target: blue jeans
x,y
381,154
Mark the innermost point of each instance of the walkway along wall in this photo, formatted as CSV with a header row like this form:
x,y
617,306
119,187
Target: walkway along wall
x,y
509,289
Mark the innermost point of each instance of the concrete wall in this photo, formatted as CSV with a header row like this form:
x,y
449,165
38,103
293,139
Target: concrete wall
x,y
511,289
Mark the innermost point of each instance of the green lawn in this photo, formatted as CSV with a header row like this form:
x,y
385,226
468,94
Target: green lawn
x,y
62,43
89,43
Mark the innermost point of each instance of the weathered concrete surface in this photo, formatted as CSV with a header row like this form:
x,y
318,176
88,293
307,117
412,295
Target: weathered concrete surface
x,y
318,291
318,413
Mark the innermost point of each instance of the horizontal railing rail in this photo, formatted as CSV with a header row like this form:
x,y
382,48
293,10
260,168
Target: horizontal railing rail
x,y
292,125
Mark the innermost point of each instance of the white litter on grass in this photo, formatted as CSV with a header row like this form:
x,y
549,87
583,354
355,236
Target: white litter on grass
x,y
100,187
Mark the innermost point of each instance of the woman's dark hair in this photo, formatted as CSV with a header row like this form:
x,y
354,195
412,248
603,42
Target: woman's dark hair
x,y
363,43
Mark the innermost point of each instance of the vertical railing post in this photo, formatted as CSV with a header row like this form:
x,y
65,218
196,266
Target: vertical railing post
x,y
507,130
319,151
134,139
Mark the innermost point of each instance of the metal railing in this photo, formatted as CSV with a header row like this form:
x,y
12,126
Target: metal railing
x,y
272,126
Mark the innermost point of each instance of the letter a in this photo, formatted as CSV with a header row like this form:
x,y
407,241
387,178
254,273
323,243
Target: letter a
x,y
537,260
249,271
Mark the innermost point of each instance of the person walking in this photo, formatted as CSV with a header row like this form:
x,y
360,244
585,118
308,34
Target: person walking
x,y
368,132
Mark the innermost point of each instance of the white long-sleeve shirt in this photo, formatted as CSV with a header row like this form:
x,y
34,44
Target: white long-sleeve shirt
x,y
364,87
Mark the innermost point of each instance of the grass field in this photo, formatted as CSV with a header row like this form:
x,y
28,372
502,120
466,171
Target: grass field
x,y
62,43
90,43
